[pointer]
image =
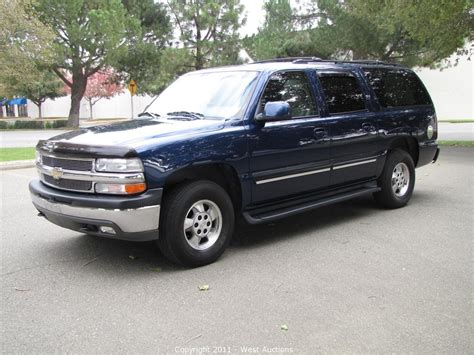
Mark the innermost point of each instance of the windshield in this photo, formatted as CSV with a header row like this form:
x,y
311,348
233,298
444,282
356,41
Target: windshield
x,y
210,95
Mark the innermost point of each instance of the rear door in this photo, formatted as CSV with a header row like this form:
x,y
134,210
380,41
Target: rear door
x,y
405,107
352,126
291,156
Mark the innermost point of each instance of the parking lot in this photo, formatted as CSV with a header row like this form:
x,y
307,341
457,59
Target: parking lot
x,y
345,278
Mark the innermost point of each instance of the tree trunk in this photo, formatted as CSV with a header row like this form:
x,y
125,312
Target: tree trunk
x,y
40,116
79,83
90,106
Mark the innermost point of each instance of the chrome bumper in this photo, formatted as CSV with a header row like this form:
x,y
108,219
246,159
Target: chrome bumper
x,y
129,222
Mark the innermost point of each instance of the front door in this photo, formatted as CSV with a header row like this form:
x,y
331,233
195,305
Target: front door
x,y
292,156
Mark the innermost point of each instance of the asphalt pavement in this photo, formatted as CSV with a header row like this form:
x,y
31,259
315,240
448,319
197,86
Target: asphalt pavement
x,y
345,278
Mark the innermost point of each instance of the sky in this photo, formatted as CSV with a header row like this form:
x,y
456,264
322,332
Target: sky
x,y
255,16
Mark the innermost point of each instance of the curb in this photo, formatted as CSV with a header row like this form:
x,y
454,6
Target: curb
x,y
17,164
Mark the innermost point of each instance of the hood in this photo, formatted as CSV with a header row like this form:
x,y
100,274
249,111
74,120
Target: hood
x,y
137,132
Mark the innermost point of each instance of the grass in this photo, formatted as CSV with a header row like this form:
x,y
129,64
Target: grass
x,y
10,154
469,144
468,120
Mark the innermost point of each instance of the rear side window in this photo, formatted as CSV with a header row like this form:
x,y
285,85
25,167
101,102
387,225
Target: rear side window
x,y
342,92
395,88
292,87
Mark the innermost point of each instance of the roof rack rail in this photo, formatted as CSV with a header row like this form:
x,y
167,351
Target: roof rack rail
x,y
287,59
303,60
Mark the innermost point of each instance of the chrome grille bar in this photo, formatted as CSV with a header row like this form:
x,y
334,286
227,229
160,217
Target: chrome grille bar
x,y
92,176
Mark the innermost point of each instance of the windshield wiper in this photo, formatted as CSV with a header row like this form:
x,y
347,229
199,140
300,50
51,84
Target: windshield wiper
x,y
149,114
186,115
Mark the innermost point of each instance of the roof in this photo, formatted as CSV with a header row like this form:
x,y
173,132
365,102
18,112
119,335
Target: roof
x,y
301,62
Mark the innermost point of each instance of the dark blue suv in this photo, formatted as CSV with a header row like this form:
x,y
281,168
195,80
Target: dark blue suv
x,y
263,141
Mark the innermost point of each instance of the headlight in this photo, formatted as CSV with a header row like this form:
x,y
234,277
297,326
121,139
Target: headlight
x,y
132,165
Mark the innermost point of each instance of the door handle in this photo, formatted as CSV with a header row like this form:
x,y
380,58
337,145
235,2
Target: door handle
x,y
320,133
368,127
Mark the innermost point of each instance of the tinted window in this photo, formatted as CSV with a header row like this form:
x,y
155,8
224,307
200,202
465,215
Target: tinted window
x,y
292,87
395,88
342,93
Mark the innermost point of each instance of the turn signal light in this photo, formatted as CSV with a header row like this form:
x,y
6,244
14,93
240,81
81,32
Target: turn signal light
x,y
120,189
135,188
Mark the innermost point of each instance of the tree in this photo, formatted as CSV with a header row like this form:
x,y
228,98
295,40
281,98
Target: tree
x,y
414,33
99,86
45,85
89,34
276,30
283,34
24,41
208,29
142,62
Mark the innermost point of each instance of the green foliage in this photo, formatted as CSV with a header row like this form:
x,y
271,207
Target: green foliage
x,y
89,34
276,31
23,42
413,33
209,30
28,124
283,36
173,63
58,124
142,62
45,85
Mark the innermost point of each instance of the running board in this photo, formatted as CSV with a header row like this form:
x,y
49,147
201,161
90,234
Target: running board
x,y
258,216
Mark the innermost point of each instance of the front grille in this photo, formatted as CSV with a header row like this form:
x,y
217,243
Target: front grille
x,y
68,184
67,164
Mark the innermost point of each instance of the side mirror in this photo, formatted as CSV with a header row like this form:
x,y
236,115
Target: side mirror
x,y
275,111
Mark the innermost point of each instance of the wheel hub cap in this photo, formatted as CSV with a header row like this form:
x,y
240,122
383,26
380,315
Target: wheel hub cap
x,y
202,224
400,179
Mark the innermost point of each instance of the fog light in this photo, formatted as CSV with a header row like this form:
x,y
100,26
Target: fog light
x,y
106,229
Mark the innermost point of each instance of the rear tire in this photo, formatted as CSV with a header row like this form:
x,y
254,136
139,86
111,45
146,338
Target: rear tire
x,y
197,223
397,180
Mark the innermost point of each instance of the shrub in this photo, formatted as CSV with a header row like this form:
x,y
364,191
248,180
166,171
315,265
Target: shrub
x,y
53,124
28,125
59,123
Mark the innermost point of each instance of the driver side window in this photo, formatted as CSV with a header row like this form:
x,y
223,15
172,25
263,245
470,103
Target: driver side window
x,y
292,87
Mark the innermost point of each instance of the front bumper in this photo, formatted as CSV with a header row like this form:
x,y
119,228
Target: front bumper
x,y
133,218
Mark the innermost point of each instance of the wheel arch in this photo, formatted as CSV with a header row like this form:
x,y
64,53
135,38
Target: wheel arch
x,y
409,144
222,174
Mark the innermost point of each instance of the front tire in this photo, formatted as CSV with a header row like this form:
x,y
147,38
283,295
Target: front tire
x,y
197,223
397,180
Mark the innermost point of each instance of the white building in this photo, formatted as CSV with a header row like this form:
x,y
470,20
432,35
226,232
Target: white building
x,y
118,106
451,90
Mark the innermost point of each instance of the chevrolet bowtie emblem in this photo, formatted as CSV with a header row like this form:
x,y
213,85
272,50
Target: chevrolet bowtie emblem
x,y
57,173
50,146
